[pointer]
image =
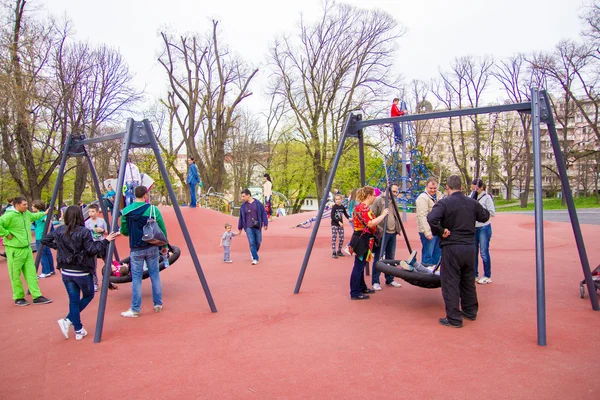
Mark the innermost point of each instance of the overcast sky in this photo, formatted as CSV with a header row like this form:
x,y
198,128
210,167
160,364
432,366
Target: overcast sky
x,y
437,30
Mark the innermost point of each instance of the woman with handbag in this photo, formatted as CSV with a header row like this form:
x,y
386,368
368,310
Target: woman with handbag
x,y
361,244
76,258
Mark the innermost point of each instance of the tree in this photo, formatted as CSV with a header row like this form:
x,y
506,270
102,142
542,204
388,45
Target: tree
x,y
207,84
336,65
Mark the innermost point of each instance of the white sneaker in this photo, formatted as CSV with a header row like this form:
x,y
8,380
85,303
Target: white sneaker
x,y
395,284
158,308
65,324
254,262
484,281
228,261
80,334
346,250
42,275
95,288
376,286
412,257
130,314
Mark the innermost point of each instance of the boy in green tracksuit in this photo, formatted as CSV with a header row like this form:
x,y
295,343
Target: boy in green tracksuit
x,y
15,228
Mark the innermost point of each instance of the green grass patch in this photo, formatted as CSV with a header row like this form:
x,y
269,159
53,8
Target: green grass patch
x,y
553,204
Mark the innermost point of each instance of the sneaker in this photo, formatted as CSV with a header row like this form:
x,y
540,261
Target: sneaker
x,y
346,250
445,322
42,275
95,288
340,254
484,281
158,308
80,334
65,324
406,266
376,286
411,259
130,314
334,255
368,291
21,302
41,300
228,261
469,317
394,284
254,262
360,297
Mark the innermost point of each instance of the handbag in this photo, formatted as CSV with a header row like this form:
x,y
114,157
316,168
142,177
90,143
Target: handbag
x,y
152,233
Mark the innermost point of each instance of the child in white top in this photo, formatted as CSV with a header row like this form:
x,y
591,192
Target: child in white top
x,y
226,242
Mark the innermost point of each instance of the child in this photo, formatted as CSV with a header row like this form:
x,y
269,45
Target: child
x,y
98,227
47,259
411,264
118,269
281,211
226,242
337,225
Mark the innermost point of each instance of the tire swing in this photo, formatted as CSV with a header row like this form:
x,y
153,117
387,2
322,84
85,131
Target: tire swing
x,y
414,278
174,253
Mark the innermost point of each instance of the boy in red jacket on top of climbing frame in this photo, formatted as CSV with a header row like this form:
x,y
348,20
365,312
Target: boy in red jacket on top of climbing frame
x,y
397,112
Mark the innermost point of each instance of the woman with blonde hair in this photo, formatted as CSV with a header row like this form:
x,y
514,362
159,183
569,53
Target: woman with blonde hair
x,y
363,238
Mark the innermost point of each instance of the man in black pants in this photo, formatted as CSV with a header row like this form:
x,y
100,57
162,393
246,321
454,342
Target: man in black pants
x,y
453,218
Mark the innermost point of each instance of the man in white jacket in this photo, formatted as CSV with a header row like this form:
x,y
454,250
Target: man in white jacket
x,y
431,251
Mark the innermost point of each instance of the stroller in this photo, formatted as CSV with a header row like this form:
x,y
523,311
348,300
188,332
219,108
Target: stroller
x,y
596,279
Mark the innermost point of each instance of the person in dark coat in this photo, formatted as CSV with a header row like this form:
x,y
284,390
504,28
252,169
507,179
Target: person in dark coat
x,y
453,218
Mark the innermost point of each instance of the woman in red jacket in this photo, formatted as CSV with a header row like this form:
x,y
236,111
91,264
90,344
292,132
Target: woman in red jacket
x,y
361,244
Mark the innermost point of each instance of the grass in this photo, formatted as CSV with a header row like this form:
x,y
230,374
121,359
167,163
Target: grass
x,y
549,204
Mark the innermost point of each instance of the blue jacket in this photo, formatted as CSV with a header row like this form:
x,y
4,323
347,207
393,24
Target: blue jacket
x,y
263,220
193,177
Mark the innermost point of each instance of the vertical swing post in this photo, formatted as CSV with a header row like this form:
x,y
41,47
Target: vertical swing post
x,y
59,177
539,218
334,166
182,224
404,172
114,224
568,195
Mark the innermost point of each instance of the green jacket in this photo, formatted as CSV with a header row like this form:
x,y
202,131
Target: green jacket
x,y
18,224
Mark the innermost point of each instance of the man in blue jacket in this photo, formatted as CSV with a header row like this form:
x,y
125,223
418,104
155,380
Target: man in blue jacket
x,y
193,178
253,218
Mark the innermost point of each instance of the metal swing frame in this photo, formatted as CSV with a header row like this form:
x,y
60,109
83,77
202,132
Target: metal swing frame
x,y
138,134
540,110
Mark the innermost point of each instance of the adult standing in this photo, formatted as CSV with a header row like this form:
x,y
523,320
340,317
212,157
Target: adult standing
x,y
76,258
483,235
430,250
193,179
268,194
453,218
253,218
133,221
15,227
362,242
132,180
387,249
396,112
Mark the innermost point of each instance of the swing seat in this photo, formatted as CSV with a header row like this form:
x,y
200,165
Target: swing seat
x,y
412,277
174,253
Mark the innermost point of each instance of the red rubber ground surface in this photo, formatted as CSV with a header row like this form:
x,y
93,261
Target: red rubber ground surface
x,y
267,343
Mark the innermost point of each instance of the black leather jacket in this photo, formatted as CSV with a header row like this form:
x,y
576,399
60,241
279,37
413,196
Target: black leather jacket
x,y
76,251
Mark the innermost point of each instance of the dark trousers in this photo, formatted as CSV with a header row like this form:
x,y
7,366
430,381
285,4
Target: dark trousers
x,y
458,281
357,278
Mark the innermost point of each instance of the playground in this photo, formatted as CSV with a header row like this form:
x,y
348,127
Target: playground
x,y
267,343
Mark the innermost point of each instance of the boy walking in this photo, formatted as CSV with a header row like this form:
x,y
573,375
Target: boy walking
x,y
47,260
226,243
98,228
15,229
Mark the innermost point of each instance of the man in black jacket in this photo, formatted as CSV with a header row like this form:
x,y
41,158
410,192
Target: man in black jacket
x,y
453,218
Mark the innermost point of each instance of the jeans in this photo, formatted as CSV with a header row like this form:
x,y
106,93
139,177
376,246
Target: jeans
x,y
389,252
226,253
129,192
76,286
137,258
397,131
47,259
483,235
431,251
193,200
357,277
254,239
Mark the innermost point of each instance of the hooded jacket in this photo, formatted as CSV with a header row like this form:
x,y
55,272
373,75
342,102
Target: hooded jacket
x,y
77,250
133,220
18,224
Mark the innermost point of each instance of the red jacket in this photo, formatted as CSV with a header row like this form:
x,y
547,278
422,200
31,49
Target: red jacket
x,y
396,112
